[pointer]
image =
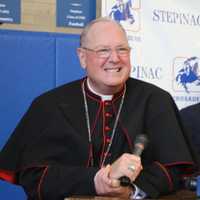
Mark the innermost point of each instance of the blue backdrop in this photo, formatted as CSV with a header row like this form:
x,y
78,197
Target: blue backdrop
x,y
30,64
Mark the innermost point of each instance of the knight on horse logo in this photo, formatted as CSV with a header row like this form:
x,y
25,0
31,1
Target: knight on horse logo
x,y
189,73
122,11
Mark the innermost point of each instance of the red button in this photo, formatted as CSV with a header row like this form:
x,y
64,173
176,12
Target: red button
x,y
107,128
108,115
108,140
107,103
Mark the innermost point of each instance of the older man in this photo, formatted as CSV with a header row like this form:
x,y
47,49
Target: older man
x,y
78,139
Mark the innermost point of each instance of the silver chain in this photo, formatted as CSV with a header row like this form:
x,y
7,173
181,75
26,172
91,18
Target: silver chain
x,y
114,127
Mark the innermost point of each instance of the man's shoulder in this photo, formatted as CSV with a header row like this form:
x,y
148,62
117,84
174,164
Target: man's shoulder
x,y
61,93
145,87
191,110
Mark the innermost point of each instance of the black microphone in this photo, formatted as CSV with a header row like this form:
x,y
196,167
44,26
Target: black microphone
x,y
139,145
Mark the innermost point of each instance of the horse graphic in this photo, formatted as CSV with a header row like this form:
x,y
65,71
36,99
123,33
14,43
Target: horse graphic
x,y
123,11
189,73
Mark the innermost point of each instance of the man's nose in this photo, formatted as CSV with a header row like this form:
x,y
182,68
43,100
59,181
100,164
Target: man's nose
x,y
114,56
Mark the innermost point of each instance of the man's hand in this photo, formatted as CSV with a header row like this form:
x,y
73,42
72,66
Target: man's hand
x,y
105,186
127,165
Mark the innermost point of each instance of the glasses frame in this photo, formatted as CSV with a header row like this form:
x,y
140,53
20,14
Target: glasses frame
x,y
103,54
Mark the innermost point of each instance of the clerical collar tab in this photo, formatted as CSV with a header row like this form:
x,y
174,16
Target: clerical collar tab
x,y
103,97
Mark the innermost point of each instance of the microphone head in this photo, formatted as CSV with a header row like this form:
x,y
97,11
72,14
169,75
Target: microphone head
x,y
141,139
139,144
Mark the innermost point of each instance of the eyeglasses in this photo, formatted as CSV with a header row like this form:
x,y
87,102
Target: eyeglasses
x,y
106,52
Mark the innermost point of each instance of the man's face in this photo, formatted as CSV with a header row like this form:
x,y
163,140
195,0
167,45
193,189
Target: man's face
x,y
106,75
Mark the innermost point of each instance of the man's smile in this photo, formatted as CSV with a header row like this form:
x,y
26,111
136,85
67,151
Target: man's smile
x,y
112,69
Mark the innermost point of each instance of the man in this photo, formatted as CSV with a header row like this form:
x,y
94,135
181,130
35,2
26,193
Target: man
x,y
190,117
78,139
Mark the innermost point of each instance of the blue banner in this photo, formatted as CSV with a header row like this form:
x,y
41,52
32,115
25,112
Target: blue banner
x,y
75,13
10,11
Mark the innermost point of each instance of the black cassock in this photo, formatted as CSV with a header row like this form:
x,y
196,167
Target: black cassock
x,y
50,156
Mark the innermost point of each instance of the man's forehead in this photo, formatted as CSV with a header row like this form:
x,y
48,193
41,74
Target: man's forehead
x,y
103,26
105,32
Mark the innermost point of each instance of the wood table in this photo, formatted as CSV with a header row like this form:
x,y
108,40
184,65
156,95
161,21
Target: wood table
x,y
180,195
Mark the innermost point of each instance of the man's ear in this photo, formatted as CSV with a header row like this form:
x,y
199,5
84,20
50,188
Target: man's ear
x,y
82,57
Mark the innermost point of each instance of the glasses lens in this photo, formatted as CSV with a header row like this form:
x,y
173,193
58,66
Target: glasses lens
x,y
123,51
103,53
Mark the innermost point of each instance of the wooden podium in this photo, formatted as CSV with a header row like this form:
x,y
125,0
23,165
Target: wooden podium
x,y
180,195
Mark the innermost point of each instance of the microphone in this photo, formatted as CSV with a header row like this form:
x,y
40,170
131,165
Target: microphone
x,y
139,145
